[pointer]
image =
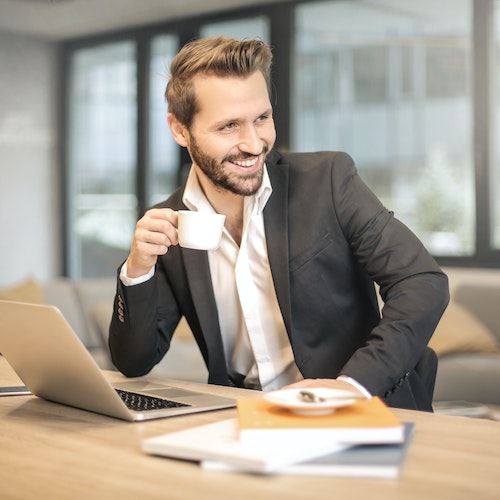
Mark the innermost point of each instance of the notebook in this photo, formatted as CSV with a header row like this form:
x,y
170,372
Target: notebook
x,y
363,422
52,362
365,460
219,443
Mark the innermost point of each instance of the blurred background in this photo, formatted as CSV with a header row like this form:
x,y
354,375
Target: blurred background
x,y
410,89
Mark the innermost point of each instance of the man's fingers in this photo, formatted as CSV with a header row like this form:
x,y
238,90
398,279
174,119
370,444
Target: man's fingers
x,y
155,232
158,226
162,214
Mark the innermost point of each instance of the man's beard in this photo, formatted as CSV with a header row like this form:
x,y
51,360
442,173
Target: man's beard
x,y
241,185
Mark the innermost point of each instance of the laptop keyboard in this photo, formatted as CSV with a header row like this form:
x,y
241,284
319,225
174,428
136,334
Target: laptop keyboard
x,y
140,402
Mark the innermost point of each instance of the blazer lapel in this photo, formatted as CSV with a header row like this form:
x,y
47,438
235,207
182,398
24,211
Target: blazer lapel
x,y
200,284
276,228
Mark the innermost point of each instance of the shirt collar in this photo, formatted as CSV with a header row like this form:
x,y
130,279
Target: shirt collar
x,y
194,197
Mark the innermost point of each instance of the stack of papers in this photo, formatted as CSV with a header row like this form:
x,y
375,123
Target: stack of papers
x,y
363,439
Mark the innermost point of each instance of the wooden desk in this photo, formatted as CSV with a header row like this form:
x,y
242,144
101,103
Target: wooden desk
x,y
49,451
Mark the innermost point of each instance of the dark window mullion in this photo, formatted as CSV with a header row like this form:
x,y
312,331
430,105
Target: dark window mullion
x,y
482,72
142,163
282,28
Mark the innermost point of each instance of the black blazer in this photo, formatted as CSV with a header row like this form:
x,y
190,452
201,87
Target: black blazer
x,y
329,239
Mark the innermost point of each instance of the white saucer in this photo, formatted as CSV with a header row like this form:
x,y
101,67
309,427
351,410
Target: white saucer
x,y
290,399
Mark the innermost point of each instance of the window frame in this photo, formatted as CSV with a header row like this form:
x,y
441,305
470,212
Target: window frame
x,y
281,22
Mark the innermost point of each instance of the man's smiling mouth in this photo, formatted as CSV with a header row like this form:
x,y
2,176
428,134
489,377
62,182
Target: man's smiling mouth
x,y
246,163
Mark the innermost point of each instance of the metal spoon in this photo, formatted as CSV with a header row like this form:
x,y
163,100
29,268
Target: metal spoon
x,y
310,397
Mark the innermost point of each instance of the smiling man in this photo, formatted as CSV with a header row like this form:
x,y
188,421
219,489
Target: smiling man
x,y
229,140
288,298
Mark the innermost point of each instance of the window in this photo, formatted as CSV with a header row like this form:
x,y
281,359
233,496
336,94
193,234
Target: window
x,y
106,175
254,27
496,141
396,96
163,157
444,68
370,73
398,85
101,158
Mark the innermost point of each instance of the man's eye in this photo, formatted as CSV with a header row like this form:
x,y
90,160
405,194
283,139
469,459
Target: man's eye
x,y
229,126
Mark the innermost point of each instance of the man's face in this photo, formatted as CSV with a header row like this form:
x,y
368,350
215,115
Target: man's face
x,y
233,131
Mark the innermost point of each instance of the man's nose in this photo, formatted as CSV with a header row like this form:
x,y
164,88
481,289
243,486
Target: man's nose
x,y
250,141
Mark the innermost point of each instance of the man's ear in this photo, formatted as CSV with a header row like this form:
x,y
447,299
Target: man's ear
x,y
178,130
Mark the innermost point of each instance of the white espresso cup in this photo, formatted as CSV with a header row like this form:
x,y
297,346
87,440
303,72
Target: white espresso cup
x,y
200,230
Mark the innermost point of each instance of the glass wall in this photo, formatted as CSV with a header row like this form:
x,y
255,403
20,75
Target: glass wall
x,y
163,158
391,85
102,123
253,27
389,82
496,133
103,161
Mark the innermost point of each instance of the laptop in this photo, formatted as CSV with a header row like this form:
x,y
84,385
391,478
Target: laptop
x,y
52,362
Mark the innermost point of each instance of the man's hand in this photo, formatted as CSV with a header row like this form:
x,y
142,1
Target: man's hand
x,y
330,383
154,233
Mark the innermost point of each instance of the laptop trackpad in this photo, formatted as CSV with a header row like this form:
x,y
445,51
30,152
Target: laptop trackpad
x,y
157,390
139,385
171,393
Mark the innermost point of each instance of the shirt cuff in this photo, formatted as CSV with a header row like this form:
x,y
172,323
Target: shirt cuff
x,y
134,281
356,384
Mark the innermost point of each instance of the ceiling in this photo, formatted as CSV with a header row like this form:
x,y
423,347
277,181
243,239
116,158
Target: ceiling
x,y
63,19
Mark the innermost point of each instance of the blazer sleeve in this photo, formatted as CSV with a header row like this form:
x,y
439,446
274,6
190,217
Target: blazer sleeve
x,y
140,331
412,286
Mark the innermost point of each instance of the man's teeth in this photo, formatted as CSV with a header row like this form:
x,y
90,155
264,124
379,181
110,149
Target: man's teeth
x,y
247,163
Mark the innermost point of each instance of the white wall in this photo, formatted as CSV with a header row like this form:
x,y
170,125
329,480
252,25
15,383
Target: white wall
x,y
29,190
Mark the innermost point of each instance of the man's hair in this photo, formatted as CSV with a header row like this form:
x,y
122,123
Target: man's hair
x,y
217,56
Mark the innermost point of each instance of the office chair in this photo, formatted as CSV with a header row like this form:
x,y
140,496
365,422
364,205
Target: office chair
x,y
427,370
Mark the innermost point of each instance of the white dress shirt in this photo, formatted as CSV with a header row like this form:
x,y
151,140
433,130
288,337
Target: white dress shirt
x,y
255,340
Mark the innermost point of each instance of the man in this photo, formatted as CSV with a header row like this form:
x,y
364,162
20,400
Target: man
x,y
288,298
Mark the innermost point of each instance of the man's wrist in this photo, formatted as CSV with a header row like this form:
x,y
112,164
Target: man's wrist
x,y
355,384
135,281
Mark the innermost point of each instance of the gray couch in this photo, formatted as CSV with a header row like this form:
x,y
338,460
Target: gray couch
x,y
87,305
83,303
473,376
462,375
